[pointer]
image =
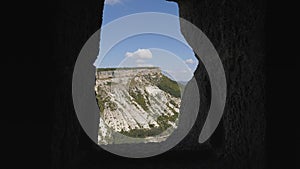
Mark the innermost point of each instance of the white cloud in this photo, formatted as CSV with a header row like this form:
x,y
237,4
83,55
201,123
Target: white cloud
x,y
112,2
140,54
189,61
144,65
140,61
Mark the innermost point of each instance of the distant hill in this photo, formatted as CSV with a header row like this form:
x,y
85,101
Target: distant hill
x,y
137,102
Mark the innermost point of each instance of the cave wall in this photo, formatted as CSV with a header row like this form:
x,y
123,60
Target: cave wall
x,y
75,22
236,29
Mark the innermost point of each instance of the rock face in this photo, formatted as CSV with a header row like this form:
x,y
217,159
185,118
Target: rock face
x,y
136,103
235,27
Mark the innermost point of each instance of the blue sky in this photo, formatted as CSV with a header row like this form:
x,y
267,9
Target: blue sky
x,y
114,9
147,49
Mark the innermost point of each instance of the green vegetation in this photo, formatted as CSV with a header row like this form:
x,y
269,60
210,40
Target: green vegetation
x,y
100,104
147,97
169,86
174,116
173,102
142,133
103,99
110,83
112,106
153,131
139,98
163,122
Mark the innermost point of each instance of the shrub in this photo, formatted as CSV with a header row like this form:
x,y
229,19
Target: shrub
x,y
139,98
169,86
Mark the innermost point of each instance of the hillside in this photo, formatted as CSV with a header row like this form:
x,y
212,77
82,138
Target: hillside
x,y
140,103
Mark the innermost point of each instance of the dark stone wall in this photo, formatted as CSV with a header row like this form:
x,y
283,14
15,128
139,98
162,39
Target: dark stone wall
x,y
75,22
235,27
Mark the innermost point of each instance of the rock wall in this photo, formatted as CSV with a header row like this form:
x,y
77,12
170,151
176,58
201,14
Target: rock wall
x,y
236,28
75,22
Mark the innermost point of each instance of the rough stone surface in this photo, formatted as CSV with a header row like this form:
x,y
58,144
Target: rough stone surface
x,y
76,21
236,29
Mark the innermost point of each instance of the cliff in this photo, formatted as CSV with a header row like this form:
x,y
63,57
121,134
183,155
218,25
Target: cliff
x,y
103,73
133,102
